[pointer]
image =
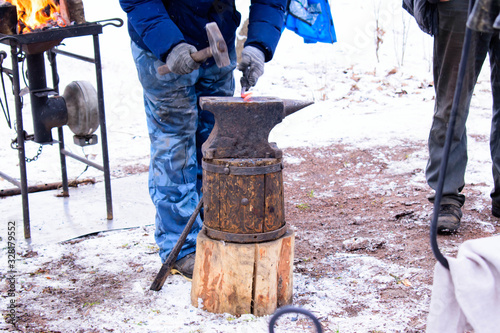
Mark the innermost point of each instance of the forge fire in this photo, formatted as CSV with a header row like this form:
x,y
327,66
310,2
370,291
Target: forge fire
x,y
36,15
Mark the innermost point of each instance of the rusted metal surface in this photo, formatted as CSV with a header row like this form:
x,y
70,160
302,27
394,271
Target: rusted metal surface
x,y
243,203
242,127
228,169
39,42
245,238
274,214
42,187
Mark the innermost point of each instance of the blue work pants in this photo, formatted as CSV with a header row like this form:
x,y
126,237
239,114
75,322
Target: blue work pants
x,y
177,129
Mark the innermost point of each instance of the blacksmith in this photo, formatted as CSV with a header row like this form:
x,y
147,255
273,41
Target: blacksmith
x,y
167,32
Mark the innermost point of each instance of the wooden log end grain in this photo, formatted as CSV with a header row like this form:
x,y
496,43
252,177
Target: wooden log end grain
x,y
239,279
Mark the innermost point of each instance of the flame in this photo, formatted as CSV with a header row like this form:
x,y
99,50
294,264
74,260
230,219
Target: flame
x,y
37,14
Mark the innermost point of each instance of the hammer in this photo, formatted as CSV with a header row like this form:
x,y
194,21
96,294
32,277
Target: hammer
x,y
217,49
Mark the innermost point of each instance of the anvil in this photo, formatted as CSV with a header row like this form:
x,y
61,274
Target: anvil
x,y
242,127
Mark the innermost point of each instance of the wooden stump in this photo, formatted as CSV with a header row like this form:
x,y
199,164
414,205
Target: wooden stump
x,y
240,279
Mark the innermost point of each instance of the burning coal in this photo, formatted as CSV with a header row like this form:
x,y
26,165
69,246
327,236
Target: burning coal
x,y
35,15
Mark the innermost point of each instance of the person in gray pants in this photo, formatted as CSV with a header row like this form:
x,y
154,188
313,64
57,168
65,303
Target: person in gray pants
x,y
448,44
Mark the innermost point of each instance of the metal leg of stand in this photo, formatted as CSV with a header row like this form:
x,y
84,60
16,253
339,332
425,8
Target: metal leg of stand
x,y
62,157
102,121
20,143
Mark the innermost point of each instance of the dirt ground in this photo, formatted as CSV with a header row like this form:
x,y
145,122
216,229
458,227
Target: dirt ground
x,y
342,199
337,194
337,199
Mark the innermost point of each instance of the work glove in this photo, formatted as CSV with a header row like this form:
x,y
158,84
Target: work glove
x,y
179,60
252,66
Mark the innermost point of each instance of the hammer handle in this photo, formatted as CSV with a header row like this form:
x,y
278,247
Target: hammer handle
x,y
170,261
198,56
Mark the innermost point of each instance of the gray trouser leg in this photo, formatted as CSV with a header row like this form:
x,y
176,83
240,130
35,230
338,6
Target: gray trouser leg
x,y
448,45
494,52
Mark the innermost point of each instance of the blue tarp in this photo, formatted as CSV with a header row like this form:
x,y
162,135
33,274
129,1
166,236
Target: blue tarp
x,y
311,19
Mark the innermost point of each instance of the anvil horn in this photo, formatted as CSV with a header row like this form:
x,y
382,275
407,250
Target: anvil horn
x,y
294,105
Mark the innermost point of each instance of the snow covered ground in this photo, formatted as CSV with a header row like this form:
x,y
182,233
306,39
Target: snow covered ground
x,y
359,101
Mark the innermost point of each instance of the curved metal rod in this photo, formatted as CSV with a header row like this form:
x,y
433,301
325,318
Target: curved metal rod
x,y
14,39
291,309
118,24
9,37
5,109
447,145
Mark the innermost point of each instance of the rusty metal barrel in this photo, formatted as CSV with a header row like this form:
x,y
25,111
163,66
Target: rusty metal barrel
x,y
242,171
243,199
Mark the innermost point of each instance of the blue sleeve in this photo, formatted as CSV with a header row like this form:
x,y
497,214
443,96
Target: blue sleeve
x,y
265,24
151,22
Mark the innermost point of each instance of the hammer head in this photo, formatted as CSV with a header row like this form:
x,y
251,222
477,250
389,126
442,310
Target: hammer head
x,y
218,45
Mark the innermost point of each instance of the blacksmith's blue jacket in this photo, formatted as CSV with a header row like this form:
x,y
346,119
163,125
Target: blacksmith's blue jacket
x,y
159,25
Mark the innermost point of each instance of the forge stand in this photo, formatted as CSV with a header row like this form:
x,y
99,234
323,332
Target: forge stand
x,y
37,44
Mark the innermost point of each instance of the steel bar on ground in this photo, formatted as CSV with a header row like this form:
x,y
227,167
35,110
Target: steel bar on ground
x,y
43,187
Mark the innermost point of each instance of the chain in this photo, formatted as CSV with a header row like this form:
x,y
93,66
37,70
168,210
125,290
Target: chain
x,y
15,145
34,158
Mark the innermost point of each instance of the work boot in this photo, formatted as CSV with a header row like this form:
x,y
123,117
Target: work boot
x,y
495,209
448,218
185,266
